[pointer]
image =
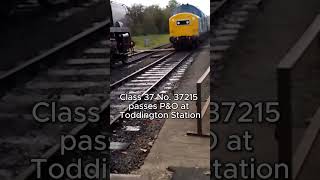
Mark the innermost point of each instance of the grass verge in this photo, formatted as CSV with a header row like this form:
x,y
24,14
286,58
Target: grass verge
x,y
154,40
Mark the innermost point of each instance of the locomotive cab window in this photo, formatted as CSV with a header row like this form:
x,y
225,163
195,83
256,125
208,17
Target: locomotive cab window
x,y
183,22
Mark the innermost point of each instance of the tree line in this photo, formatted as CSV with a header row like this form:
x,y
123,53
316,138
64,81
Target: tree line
x,y
151,19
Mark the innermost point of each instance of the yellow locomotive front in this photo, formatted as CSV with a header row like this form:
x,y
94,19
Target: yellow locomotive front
x,y
184,30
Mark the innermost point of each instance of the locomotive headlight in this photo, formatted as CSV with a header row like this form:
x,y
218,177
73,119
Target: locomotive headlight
x,y
125,35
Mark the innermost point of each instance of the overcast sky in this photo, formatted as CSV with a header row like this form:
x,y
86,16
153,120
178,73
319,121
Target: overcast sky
x,y
203,5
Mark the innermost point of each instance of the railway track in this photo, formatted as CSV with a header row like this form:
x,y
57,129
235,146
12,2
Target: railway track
x,y
133,137
61,83
143,82
120,72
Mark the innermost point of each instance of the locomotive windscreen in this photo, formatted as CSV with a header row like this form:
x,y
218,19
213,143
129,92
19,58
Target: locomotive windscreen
x,y
119,14
183,22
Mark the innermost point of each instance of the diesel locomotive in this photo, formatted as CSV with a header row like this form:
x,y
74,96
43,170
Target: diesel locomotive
x,y
188,26
120,36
